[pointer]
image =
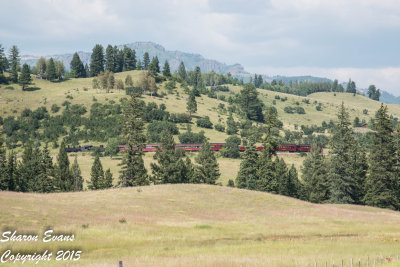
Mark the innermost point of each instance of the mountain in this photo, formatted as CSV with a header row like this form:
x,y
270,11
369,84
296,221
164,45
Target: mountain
x,y
389,98
173,57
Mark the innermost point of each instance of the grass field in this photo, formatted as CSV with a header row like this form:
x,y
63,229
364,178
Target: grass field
x,y
202,225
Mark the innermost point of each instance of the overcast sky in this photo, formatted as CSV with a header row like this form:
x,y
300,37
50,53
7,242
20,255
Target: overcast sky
x,y
358,39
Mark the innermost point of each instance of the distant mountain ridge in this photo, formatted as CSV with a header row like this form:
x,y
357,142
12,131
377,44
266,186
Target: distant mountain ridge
x,y
174,58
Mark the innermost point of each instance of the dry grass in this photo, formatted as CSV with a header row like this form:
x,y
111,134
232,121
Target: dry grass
x,y
201,225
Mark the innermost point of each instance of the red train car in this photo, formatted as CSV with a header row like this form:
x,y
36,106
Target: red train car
x,y
287,147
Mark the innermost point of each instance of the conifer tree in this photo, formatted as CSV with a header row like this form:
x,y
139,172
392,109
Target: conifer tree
x,y
231,147
96,175
146,61
25,77
128,81
133,172
51,73
314,176
97,60
46,175
3,164
14,59
129,59
108,179
41,67
231,127
267,171
191,105
139,65
64,176
382,185
208,169
170,167
182,71
154,66
250,104
359,167
12,172
76,171
3,64
111,60
77,68
197,81
87,71
341,172
166,69
247,174
294,188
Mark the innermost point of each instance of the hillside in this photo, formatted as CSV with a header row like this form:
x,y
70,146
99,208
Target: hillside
x,y
173,57
201,225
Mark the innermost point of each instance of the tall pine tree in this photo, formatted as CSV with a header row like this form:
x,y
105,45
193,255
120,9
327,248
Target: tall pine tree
x,y
208,169
76,171
64,176
166,69
97,60
77,68
96,175
14,59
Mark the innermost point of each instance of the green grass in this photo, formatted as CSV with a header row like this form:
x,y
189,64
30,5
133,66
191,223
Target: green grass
x,y
202,225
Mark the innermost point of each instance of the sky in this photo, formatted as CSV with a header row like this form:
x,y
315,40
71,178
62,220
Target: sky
x,y
336,39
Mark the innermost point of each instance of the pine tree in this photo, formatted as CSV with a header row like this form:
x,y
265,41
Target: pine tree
x,y
64,176
382,184
129,58
231,127
268,171
182,71
3,64
25,77
41,67
133,172
314,176
76,171
12,172
231,147
250,104
97,60
87,71
3,164
14,62
170,167
77,68
128,81
108,179
46,175
341,172
197,82
146,61
247,174
96,175
154,66
166,69
293,186
111,60
208,169
359,167
51,74
191,105
139,65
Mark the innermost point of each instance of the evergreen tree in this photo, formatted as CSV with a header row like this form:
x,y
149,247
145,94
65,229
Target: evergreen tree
x,y
3,64
341,172
231,127
129,58
231,147
335,85
97,60
14,59
128,81
170,167
351,87
120,61
208,169
359,167
154,66
111,60
293,186
166,69
64,176
108,179
51,73
197,81
133,172
46,176
60,70
25,77
315,176
96,175
191,105
182,71
77,68
146,61
382,185
139,65
12,172
87,71
269,173
250,104
3,164
247,174
76,171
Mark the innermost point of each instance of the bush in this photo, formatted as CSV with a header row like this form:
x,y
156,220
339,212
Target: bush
x,y
55,108
288,109
231,183
231,149
319,107
300,110
204,122
189,137
222,88
180,118
219,127
365,111
277,97
133,90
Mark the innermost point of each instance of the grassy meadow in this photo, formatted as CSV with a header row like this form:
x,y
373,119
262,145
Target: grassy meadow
x,y
203,225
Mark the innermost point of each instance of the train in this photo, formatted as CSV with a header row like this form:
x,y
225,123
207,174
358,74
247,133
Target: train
x,y
292,148
218,146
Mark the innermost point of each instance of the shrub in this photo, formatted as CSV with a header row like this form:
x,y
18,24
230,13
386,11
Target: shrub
x,y
180,118
231,149
365,111
300,110
231,183
155,128
204,122
219,127
222,88
288,109
277,97
189,137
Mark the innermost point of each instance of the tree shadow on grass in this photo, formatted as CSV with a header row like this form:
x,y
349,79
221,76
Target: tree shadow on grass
x,y
30,89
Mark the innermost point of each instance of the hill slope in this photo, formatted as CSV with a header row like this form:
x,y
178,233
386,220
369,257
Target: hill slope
x,y
202,225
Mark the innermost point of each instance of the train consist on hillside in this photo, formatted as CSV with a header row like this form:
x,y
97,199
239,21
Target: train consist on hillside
x,y
219,146
194,147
